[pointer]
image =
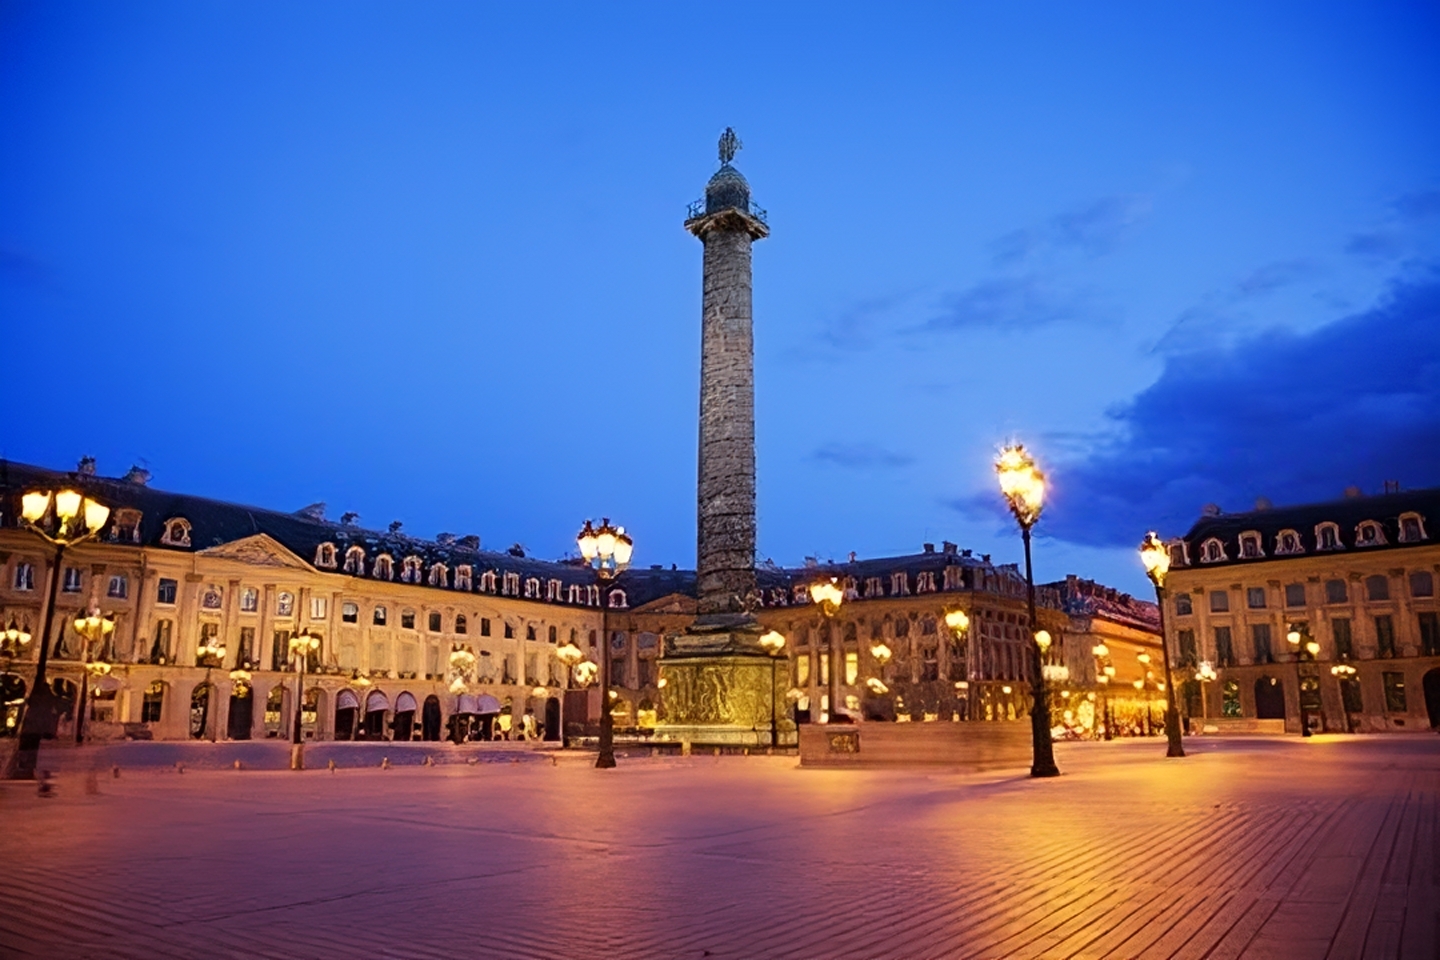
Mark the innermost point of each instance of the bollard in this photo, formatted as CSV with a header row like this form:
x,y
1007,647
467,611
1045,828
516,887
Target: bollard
x,y
46,788
115,772
427,762
179,767
332,766
684,748
238,765
554,761
384,763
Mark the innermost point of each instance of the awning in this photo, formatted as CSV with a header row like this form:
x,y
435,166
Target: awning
x,y
346,700
404,703
487,704
377,702
467,704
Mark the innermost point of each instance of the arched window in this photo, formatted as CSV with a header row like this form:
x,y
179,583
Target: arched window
x,y
617,600
439,575
532,588
1250,548
325,556
461,625
1179,556
407,619
176,533
384,568
410,570
462,577
1212,551
1288,542
350,612
573,594
355,561
487,581
1327,536
1369,534
552,590
1412,528
153,704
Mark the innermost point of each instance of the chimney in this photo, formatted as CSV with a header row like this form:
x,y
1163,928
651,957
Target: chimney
x,y
1391,486
852,556
948,547
86,467
444,539
470,541
929,547
1352,492
137,475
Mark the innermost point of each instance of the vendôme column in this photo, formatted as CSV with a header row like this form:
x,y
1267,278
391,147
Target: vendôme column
x,y
717,677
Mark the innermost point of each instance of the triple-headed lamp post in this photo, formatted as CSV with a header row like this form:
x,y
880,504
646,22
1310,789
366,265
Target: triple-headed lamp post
x,y
1157,564
1023,486
569,656
828,595
94,628
773,643
607,551
62,519
301,646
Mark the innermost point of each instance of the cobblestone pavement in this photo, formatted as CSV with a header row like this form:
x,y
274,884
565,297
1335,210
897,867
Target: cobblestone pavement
x,y
1258,848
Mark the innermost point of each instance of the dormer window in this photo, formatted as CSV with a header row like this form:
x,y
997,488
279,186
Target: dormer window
x,y
1369,534
125,527
1288,542
573,594
802,593
355,561
384,568
1412,528
617,600
592,595
1179,554
1250,548
462,577
552,590
532,588
410,570
1212,551
1327,536
899,584
778,598
511,585
487,581
925,582
439,575
176,533
325,556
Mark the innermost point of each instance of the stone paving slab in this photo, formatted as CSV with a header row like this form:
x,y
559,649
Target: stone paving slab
x,y
1258,848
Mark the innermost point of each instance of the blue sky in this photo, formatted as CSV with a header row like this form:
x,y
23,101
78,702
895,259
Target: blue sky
x,y
425,261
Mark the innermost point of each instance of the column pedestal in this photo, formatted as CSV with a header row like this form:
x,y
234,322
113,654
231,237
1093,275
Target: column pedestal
x,y
717,690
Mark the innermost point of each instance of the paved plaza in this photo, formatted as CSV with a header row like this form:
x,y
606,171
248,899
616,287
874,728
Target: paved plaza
x,y
1258,848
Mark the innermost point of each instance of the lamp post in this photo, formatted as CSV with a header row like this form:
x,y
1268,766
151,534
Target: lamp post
x,y
828,596
569,655
1100,652
959,623
606,550
62,519
1203,675
1305,647
1343,673
1157,564
773,643
93,628
301,646
1023,486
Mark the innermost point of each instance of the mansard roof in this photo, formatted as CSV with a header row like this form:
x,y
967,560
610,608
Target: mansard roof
x,y
1086,598
1347,513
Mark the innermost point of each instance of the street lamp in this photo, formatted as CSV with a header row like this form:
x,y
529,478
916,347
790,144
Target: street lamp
x,y
773,642
569,656
62,519
93,628
828,596
1023,485
1102,679
1203,675
301,646
607,551
959,623
1157,564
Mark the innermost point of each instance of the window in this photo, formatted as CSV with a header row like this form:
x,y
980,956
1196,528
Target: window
x,y
1212,551
1255,598
552,589
1394,692
153,703
573,594
1178,556
1350,695
410,570
1422,584
554,635
1340,632
384,568
245,656
852,666
925,582
165,592
487,581
1288,542
509,631
484,626
1384,636
1260,637
1250,546
1369,534
617,670
460,624
874,587
72,580
1377,587
1336,592
1327,537
1224,650
510,586
439,575
1219,601
350,612
434,621
617,600
209,639
529,631
1230,699
176,532
325,556
119,588
378,617
285,605
462,577
1294,594
1412,528
160,646
407,619
1188,657
1429,634
355,561
802,670
249,600
125,528
1182,604
899,584
25,576
532,588
319,608
212,598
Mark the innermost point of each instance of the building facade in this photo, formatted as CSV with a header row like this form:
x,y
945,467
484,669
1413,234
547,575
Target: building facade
x,y
1322,615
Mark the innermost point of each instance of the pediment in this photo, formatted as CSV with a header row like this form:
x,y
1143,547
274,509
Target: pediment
x,y
260,550
670,603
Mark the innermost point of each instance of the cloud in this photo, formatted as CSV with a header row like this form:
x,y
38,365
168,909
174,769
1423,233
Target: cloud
x,y
1273,276
1375,245
1092,229
861,456
1012,302
1419,205
1293,417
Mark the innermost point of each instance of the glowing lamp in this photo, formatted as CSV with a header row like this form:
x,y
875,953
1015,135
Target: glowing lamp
x,y
624,547
827,593
457,685
569,654
605,542
67,505
1005,689
880,652
957,620
877,686
773,642
962,685
1139,684
540,692
1109,671
1155,557
33,506
1042,640
1100,650
1293,636
1312,647
1021,483
95,515
587,542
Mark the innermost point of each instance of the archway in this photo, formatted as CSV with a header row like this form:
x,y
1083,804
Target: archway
x,y
404,723
199,711
242,712
275,710
552,718
430,718
376,706
347,707
12,698
1431,686
1269,699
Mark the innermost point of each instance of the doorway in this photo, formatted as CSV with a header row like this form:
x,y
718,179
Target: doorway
x,y
199,711
1431,686
552,718
430,719
1269,699
242,710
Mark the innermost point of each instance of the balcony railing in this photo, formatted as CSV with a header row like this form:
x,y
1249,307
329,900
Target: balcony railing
x,y
697,209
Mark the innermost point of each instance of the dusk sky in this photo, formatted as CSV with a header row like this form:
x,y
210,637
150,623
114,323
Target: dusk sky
x,y
425,261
